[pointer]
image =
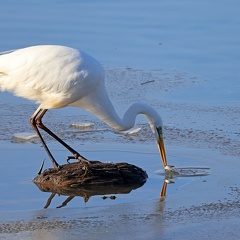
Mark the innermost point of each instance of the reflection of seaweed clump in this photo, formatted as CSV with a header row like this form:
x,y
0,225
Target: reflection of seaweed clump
x,y
96,178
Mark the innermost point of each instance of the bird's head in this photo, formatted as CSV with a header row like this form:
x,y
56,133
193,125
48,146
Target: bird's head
x,y
160,142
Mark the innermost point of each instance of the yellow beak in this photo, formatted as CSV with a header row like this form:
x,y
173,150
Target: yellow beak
x,y
162,151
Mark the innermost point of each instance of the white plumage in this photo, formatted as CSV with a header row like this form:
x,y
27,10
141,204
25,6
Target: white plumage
x,y
54,76
59,76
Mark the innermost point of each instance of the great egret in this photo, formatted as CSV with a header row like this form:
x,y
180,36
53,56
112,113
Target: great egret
x,y
58,76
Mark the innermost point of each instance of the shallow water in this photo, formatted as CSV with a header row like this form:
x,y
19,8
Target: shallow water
x,y
189,53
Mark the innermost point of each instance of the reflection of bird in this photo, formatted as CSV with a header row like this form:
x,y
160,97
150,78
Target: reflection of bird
x,y
58,76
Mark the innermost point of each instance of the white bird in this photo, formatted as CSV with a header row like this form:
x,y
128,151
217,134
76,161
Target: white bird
x,y
58,76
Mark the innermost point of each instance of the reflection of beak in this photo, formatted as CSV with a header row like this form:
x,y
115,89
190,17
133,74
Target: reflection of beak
x,y
162,151
164,188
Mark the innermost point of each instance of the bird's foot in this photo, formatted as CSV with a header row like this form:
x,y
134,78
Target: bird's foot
x,y
69,158
55,164
58,167
83,160
79,158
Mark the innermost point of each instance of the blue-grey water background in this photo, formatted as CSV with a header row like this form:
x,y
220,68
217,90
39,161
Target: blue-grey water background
x,y
182,57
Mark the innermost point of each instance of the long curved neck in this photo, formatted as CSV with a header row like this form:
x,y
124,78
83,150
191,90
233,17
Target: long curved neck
x,y
108,115
141,108
128,120
100,105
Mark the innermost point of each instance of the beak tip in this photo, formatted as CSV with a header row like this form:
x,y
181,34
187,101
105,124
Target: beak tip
x,y
168,167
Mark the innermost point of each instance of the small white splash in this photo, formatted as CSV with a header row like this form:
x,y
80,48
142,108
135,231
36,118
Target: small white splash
x,y
133,131
81,125
25,136
184,172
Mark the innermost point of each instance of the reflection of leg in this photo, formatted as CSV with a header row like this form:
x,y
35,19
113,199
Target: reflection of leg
x,y
33,122
66,202
43,127
49,200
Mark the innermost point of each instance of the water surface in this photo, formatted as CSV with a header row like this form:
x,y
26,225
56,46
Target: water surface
x,y
182,57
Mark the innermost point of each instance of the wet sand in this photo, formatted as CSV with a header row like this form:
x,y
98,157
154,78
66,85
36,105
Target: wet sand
x,y
131,221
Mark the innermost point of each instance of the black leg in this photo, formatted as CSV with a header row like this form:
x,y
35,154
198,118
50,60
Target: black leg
x,y
39,123
34,126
